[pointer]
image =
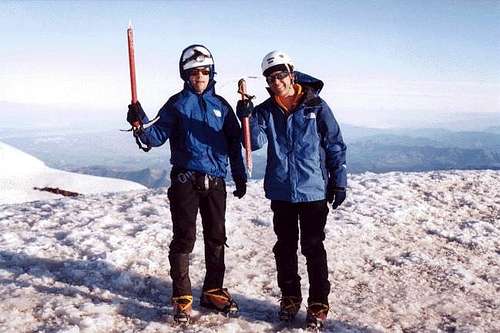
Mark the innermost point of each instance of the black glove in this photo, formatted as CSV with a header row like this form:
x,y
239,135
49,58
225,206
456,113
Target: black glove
x,y
335,194
244,108
135,114
241,188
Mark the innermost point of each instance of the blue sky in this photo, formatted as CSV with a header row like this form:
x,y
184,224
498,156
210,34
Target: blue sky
x,y
374,56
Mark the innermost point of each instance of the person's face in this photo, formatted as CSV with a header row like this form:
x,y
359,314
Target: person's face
x,y
280,83
199,77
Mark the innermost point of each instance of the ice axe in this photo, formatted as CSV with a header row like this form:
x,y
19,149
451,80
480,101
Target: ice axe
x,y
137,126
245,123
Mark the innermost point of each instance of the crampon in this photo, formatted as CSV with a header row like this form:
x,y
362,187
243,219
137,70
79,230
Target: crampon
x,y
316,316
289,307
220,300
182,306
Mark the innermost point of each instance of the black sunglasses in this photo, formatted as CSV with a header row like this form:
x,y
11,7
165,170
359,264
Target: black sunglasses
x,y
278,76
195,71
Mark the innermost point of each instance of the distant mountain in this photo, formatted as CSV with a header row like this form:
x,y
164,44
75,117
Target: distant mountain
x,y
455,121
155,177
425,136
352,133
149,177
112,153
468,121
68,150
393,139
422,150
376,157
463,139
493,129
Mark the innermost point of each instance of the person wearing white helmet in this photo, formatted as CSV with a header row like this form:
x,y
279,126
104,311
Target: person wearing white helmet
x,y
204,134
306,168
196,59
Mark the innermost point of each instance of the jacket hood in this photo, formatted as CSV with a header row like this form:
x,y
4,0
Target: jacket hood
x,y
309,81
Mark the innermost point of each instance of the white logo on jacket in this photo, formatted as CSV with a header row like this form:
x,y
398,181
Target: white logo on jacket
x,y
217,113
311,115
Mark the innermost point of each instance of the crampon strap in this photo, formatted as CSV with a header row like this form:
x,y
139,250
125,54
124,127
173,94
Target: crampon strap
x,y
183,302
291,303
318,309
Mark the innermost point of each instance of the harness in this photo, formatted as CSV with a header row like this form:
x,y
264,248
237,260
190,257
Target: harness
x,y
201,181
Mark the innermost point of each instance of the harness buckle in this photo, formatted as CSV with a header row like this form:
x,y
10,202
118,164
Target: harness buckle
x,y
181,177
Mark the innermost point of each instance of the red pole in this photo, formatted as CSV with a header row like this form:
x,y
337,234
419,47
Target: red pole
x,y
131,63
245,123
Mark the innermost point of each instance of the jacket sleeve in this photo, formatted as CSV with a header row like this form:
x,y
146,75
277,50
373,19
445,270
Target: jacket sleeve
x,y
258,125
333,144
158,133
232,132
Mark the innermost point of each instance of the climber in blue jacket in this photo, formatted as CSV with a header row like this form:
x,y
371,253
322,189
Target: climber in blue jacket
x,y
204,133
306,168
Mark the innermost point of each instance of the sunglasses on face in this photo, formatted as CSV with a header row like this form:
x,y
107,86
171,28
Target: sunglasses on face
x,y
196,71
278,76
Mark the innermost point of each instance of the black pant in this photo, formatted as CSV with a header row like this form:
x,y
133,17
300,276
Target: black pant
x,y
311,216
189,192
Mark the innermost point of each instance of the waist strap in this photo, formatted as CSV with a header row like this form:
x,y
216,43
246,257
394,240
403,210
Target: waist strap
x,y
201,181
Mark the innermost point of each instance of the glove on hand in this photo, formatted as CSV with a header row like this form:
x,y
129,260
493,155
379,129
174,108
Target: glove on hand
x,y
340,195
336,195
241,188
135,114
244,108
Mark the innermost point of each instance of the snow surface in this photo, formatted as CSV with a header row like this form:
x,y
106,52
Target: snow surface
x,y
408,252
21,172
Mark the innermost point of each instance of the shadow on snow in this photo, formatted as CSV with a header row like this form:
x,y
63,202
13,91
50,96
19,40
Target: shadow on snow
x,y
136,296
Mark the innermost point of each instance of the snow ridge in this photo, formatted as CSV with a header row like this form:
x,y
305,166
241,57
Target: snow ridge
x,y
20,173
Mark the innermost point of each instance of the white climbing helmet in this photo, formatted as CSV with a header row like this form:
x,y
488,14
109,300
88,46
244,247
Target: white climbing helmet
x,y
195,56
277,59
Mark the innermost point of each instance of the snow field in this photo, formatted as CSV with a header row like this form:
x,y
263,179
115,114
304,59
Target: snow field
x,y
408,252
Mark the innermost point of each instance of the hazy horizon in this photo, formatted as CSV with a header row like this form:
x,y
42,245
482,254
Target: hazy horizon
x,y
384,63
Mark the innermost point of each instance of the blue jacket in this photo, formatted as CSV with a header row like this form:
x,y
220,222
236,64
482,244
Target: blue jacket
x,y
203,132
305,150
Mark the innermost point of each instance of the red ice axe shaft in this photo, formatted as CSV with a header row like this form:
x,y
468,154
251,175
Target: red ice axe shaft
x,y
131,65
245,123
